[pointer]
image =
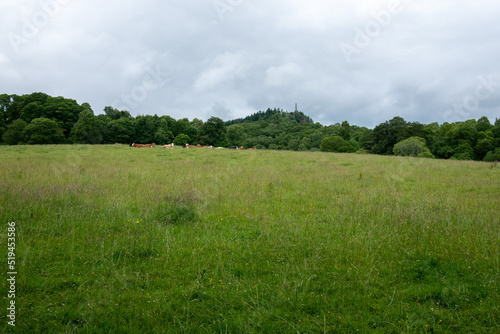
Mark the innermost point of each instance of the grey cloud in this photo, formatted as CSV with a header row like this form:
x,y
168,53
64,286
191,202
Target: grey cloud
x,y
232,58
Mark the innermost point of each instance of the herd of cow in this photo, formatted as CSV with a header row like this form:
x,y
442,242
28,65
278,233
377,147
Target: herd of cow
x,y
186,146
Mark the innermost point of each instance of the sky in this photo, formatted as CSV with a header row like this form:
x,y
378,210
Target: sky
x,y
364,61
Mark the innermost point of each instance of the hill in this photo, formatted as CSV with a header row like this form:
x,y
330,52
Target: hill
x,y
270,114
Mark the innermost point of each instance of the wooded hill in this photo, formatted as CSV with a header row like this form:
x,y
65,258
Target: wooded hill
x,y
41,119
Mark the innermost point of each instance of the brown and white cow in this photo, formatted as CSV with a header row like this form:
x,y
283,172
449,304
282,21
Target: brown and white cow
x,y
143,145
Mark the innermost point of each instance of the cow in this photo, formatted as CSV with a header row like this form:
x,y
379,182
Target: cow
x,y
240,148
189,146
251,148
168,146
143,145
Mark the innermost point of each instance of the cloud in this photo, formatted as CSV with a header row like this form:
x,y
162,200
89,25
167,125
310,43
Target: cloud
x,y
224,69
283,75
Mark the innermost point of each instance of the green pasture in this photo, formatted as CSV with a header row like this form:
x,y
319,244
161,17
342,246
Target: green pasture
x,y
114,239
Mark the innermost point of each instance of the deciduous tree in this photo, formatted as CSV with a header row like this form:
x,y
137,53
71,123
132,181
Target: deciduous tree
x,y
15,132
236,135
213,132
87,130
43,131
336,144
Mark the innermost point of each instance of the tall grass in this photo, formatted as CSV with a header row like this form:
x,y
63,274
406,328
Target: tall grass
x,y
123,240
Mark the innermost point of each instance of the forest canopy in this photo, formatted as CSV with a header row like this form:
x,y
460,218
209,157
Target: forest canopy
x,y
38,118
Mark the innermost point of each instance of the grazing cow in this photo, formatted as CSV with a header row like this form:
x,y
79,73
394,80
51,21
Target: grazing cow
x,y
168,146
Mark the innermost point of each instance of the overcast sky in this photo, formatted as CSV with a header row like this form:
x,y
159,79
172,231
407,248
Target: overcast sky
x,y
364,61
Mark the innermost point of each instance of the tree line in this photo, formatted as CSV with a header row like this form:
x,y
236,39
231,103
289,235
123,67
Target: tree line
x,y
41,119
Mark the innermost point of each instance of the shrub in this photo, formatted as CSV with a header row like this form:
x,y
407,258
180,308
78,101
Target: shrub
x,y
362,151
426,154
412,147
493,155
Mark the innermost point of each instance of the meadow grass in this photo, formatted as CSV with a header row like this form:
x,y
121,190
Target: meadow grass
x,y
113,239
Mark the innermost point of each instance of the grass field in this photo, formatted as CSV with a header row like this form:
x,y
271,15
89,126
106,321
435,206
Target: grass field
x,y
113,239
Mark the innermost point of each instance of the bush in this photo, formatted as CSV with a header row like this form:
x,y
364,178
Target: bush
x,y
362,151
411,147
426,154
408,147
493,155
